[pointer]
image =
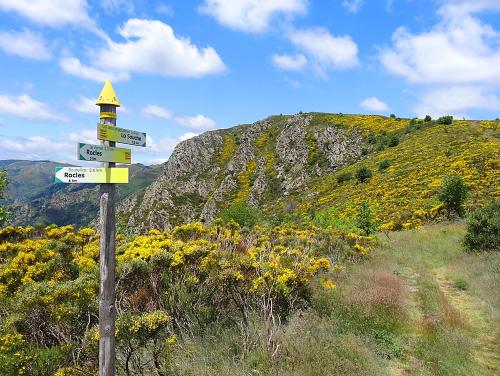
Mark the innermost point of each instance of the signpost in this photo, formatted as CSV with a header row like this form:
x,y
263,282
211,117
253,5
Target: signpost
x,y
107,176
121,135
87,152
91,175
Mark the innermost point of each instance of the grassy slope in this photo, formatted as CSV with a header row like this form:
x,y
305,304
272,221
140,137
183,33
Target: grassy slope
x,y
417,306
425,154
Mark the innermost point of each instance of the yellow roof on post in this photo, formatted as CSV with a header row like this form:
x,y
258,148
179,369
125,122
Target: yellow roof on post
x,y
108,95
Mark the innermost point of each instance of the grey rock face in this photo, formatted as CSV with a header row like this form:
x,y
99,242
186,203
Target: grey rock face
x,y
198,179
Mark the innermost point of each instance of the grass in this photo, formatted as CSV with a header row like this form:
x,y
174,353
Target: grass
x,y
417,305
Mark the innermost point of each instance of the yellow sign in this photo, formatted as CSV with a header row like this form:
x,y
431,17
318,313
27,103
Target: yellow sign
x,y
94,175
87,152
125,136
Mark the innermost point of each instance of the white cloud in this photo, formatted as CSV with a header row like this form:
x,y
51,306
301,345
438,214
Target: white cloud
x,y
166,10
460,7
25,44
290,62
324,50
150,47
50,12
73,66
187,136
456,101
25,107
460,54
374,104
198,122
352,6
252,16
157,161
157,111
85,105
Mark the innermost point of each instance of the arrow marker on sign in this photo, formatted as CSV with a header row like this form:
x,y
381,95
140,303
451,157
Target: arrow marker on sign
x,y
90,175
99,153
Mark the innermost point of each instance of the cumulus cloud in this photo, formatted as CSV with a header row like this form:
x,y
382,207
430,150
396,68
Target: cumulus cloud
x,y
157,111
295,62
352,6
150,47
253,16
25,44
49,12
25,107
324,50
456,101
460,54
73,66
374,104
198,122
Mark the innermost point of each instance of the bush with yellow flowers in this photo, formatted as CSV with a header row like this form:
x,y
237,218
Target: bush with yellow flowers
x,y
168,283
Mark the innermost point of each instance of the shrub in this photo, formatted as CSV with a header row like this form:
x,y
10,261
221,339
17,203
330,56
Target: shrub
x,y
446,120
393,116
372,138
483,229
427,118
384,165
363,174
343,177
394,141
364,151
453,194
364,218
242,213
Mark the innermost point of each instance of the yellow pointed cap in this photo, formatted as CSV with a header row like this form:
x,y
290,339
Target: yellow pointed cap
x,y
108,95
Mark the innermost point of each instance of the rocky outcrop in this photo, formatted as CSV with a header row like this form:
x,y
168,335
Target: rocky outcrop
x,y
261,164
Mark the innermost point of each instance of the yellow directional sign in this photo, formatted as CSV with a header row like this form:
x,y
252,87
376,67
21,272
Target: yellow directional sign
x,y
87,152
93,175
107,132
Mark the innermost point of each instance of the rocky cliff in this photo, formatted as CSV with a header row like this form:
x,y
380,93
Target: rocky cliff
x,y
261,164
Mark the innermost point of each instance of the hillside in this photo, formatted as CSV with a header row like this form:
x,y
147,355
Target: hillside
x,y
306,165
33,197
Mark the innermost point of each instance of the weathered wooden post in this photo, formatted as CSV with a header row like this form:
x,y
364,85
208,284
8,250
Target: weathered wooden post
x,y
108,103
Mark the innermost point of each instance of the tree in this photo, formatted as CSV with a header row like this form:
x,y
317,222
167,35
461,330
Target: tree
x,y
483,229
363,173
242,213
4,214
364,218
428,118
453,194
445,120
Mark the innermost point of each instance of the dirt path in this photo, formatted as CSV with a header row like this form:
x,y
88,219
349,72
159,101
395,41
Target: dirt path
x,y
484,342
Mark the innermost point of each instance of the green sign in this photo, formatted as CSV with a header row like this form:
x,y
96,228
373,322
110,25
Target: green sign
x,y
93,175
107,132
99,153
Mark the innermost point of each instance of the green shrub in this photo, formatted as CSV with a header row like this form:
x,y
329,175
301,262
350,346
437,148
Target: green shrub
x,y
461,284
242,213
372,138
394,141
446,120
363,174
364,219
380,147
343,177
427,118
483,229
453,194
384,165
393,116
364,151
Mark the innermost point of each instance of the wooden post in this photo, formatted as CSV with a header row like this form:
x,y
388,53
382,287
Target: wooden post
x,y
107,310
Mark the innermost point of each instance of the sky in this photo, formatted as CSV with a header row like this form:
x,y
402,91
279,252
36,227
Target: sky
x,y
183,67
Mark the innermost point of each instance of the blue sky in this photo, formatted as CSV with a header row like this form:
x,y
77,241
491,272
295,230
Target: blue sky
x,y
184,67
